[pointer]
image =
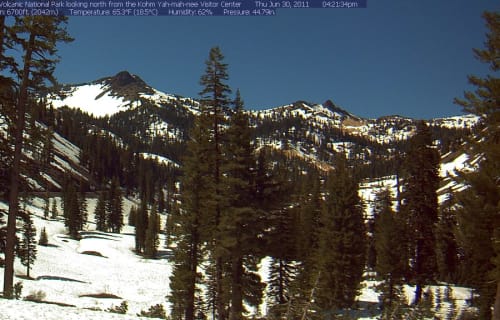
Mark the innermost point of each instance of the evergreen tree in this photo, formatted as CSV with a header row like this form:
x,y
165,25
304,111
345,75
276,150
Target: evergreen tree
x,y
44,240
132,216
36,37
46,209
53,211
27,246
240,222
170,229
480,214
152,234
419,206
389,243
47,154
341,253
197,191
447,250
73,216
100,212
214,101
114,207
141,225
82,203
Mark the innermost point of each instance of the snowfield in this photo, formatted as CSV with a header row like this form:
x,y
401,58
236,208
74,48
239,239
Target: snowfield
x,y
67,271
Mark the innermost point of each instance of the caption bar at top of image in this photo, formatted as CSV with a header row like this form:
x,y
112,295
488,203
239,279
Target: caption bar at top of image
x,y
16,8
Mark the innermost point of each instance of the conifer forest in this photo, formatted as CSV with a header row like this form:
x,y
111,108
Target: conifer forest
x,y
199,208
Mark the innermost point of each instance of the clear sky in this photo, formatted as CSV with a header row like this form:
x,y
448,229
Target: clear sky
x,y
406,57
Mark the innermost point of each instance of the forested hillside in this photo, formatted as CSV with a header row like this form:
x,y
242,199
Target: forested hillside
x,y
295,207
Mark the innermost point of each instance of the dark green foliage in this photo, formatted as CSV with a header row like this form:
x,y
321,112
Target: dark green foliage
x,y
152,234
82,203
479,219
100,212
390,248
114,207
156,311
419,207
46,208
447,251
73,219
342,245
36,38
132,216
27,246
170,228
141,225
53,212
44,240
197,190
47,152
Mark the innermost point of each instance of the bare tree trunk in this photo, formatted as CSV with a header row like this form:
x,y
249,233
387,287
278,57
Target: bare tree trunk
x,y
15,173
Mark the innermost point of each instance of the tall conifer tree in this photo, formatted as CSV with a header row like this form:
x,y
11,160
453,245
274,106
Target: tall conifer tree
x,y
37,37
152,234
100,212
27,245
342,244
389,244
215,101
479,218
420,206
197,189
241,220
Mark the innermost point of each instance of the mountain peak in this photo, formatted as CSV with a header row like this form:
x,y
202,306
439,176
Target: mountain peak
x,y
124,78
126,85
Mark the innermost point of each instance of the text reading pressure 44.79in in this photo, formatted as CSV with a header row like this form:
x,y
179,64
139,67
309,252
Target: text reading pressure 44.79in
x,y
166,7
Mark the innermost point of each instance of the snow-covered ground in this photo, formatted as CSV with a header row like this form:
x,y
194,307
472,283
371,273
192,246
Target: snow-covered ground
x,y
92,98
66,271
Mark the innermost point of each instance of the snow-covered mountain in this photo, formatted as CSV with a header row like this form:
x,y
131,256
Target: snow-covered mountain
x,y
308,130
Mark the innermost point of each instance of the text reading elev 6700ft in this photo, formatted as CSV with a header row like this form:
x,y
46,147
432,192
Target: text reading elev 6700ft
x,y
165,7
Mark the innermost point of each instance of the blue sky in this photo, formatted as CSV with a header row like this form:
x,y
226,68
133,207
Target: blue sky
x,y
403,57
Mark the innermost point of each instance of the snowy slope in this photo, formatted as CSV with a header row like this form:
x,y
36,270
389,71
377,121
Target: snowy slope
x,y
95,99
65,272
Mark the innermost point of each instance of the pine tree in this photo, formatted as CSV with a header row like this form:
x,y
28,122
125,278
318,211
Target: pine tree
x,y
170,229
141,225
480,214
46,209
341,253
447,250
420,206
114,207
100,212
47,154
82,203
53,212
391,263
152,234
44,240
27,246
73,215
132,216
241,221
38,47
197,191
214,101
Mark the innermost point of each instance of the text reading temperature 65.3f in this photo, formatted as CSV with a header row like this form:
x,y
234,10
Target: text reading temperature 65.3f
x,y
282,4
